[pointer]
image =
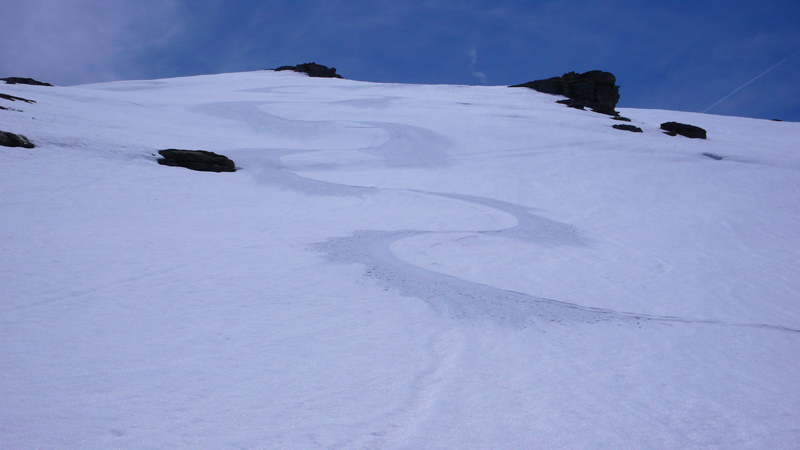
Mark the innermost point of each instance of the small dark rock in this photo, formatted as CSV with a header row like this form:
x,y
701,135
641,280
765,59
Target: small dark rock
x,y
632,128
19,80
197,160
313,70
12,98
623,119
14,140
776,120
690,131
713,156
594,89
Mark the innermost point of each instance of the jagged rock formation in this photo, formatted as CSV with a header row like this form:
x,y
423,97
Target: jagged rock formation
x,y
595,89
20,80
201,160
690,131
313,70
624,127
14,140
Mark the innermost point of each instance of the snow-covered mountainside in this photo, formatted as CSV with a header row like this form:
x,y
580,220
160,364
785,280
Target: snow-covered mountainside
x,y
392,267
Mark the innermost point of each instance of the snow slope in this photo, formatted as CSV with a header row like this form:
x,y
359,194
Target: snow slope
x,y
392,267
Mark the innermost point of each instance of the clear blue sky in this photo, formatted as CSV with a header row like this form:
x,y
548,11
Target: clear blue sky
x,y
683,55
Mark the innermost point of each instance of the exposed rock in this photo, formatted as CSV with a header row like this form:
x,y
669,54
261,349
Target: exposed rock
x,y
12,98
197,160
594,89
627,128
713,156
572,104
620,118
690,131
313,70
14,140
19,80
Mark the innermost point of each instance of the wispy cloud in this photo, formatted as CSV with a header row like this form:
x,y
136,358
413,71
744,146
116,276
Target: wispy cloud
x,y
473,61
70,41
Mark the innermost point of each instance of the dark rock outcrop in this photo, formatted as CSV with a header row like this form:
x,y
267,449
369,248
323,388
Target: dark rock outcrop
x,y
19,80
690,131
14,140
713,156
313,70
632,128
595,89
572,104
13,98
197,160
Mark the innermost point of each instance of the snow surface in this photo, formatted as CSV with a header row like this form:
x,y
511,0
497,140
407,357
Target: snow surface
x,y
392,267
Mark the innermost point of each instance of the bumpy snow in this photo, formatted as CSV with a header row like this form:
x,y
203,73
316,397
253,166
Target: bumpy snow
x,y
392,267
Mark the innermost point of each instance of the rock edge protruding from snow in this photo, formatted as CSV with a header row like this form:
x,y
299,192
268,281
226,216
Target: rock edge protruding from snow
x,y
201,160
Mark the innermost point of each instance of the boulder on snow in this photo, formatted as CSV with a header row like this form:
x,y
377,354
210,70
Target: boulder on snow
x,y
20,80
313,70
690,131
201,160
595,89
14,140
625,127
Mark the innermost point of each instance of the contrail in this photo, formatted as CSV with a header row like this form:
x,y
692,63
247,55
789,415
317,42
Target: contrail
x,y
754,79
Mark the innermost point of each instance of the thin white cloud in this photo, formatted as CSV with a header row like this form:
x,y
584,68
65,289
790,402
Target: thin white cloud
x,y
473,61
78,41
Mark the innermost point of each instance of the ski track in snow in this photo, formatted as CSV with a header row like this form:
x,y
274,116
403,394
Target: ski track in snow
x,y
447,294
464,299
78,293
444,354
274,374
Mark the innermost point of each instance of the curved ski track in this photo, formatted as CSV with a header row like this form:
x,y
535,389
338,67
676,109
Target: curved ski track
x,y
409,146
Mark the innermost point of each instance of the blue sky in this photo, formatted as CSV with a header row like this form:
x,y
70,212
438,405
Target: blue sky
x,y
682,55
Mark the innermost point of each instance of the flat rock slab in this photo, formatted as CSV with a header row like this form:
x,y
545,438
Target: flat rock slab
x,y
624,127
14,140
201,160
690,131
20,80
